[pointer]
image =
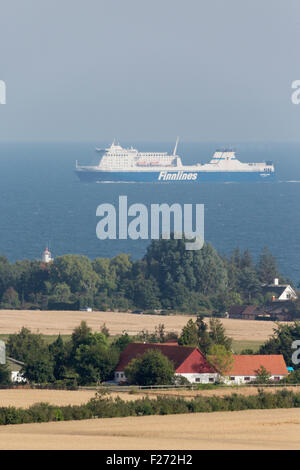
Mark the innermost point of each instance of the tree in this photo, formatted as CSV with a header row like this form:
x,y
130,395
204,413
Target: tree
x,y
24,344
204,340
170,264
246,261
263,376
91,355
189,335
104,330
249,283
146,293
281,342
59,356
221,359
294,309
122,266
4,375
10,298
7,274
160,332
81,335
267,267
217,333
61,292
39,369
77,272
224,300
293,377
121,343
95,362
151,368
107,276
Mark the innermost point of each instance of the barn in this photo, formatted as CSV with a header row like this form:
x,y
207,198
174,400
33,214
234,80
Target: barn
x,y
188,362
244,368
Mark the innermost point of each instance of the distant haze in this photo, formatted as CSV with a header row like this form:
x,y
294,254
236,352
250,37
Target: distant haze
x,y
210,70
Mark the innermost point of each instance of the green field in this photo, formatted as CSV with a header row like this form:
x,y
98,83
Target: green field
x,y
238,345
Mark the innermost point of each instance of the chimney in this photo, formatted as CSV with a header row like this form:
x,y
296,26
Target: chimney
x,y
276,281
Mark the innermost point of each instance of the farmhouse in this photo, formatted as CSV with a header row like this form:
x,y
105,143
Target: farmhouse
x,y
188,362
280,292
244,368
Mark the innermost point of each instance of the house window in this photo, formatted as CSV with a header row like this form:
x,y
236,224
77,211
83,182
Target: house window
x,y
246,379
232,378
276,378
211,379
197,379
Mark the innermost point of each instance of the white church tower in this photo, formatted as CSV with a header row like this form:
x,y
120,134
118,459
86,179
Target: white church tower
x,y
46,256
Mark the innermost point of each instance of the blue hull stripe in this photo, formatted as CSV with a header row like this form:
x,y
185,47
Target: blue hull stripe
x,y
172,177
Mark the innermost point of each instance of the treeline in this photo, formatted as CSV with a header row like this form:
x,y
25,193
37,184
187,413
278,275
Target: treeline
x,y
103,406
168,277
87,358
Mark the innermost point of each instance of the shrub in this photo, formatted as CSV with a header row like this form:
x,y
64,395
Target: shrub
x,y
150,368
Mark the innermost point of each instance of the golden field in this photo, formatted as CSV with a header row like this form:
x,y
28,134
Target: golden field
x,y
63,322
24,398
251,429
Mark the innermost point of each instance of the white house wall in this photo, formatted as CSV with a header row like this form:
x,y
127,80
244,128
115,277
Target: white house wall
x,y
199,378
288,294
208,378
240,379
192,378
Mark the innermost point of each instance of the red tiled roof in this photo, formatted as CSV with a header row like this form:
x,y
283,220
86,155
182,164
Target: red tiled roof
x,y
249,364
186,359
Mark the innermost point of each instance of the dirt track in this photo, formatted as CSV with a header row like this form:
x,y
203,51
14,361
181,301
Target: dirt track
x,y
54,322
251,429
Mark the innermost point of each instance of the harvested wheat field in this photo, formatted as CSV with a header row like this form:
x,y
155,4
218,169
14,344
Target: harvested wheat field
x,y
63,322
24,398
251,429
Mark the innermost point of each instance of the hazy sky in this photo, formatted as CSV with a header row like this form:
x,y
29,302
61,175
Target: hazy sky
x,y
208,70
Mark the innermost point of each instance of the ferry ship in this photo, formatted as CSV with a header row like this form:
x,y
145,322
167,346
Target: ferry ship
x,y
118,164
